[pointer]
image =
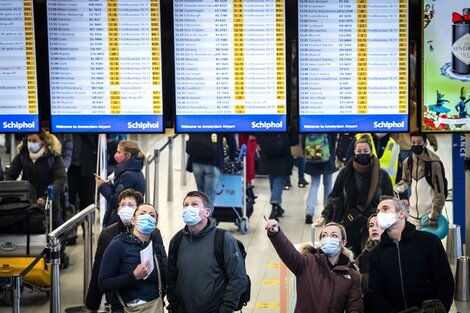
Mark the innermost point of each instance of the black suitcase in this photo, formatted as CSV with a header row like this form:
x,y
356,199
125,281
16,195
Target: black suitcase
x,y
16,191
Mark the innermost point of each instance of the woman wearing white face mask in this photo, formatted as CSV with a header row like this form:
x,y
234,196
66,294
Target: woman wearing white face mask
x,y
129,200
327,280
121,271
40,162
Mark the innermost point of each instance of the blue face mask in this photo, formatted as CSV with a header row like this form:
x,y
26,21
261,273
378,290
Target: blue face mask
x,y
34,147
126,214
145,224
330,246
191,215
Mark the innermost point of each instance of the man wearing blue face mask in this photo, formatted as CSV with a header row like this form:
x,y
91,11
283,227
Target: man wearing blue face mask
x,y
196,282
129,200
407,267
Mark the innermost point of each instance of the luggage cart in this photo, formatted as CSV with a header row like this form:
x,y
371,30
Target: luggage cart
x,y
230,204
24,254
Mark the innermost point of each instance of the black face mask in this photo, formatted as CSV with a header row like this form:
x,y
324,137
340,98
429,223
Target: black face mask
x,y
418,149
363,159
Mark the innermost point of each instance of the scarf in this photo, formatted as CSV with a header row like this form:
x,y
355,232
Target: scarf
x,y
35,156
369,185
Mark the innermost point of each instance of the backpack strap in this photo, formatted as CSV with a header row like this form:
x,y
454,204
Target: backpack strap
x,y
176,244
219,246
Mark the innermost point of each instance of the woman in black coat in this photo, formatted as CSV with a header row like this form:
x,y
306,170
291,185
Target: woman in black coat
x,y
40,162
356,194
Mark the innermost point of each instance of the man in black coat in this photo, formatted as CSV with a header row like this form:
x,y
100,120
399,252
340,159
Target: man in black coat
x,y
408,266
129,200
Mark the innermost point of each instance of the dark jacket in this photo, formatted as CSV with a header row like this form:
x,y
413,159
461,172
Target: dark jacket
x,y
347,186
116,272
349,192
218,159
413,270
94,295
329,167
128,175
66,140
362,262
48,169
85,147
280,165
321,287
196,283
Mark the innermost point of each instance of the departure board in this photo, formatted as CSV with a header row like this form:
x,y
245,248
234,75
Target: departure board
x,y
230,65
105,66
353,65
18,85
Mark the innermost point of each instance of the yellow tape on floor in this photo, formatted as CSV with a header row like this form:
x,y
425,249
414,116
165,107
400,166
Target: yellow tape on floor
x,y
267,305
274,265
271,282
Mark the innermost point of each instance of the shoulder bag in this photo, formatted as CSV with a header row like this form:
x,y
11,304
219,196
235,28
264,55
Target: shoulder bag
x,y
154,306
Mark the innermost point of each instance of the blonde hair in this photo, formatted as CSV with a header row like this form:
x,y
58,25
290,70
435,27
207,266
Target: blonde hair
x,y
306,249
132,147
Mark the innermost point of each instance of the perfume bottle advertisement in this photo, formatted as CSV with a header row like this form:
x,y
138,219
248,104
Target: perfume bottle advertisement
x,y
446,66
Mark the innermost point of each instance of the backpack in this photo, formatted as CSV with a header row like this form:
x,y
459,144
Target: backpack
x,y
275,145
342,146
202,145
219,256
428,173
317,148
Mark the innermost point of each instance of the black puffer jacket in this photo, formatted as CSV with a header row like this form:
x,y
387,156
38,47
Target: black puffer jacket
x,y
48,169
413,270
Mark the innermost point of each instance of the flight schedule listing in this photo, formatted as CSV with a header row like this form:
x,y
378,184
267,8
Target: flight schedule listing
x,y
353,65
230,65
18,85
105,65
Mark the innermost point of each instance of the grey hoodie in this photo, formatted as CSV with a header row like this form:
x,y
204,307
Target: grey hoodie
x,y
201,285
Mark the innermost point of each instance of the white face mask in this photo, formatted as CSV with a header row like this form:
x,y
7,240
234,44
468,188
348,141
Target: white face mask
x,y
385,220
125,214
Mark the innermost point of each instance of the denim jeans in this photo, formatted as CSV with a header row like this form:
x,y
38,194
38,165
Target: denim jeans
x,y
276,184
313,192
300,163
207,177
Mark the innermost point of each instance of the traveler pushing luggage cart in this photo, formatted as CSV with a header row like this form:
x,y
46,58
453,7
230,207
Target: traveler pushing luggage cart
x,y
234,201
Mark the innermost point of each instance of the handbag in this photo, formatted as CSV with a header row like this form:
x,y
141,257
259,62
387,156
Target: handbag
x,y
154,306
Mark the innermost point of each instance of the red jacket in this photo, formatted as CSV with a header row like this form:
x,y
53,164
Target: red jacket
x,y
320,287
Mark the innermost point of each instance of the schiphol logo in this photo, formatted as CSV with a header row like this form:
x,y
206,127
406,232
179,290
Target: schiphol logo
x,y
267,125
143,125
389,125
19,125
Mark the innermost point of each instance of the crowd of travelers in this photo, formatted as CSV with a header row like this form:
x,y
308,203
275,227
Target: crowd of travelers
x,y
373,255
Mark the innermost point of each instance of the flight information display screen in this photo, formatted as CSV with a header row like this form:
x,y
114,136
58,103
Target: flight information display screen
x,y
230,65
18,85
105,66
353,65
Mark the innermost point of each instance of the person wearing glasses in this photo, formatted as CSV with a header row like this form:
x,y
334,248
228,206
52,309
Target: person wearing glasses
x,y
408,268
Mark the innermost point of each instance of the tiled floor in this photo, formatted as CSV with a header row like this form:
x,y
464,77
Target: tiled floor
x,y
262,261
